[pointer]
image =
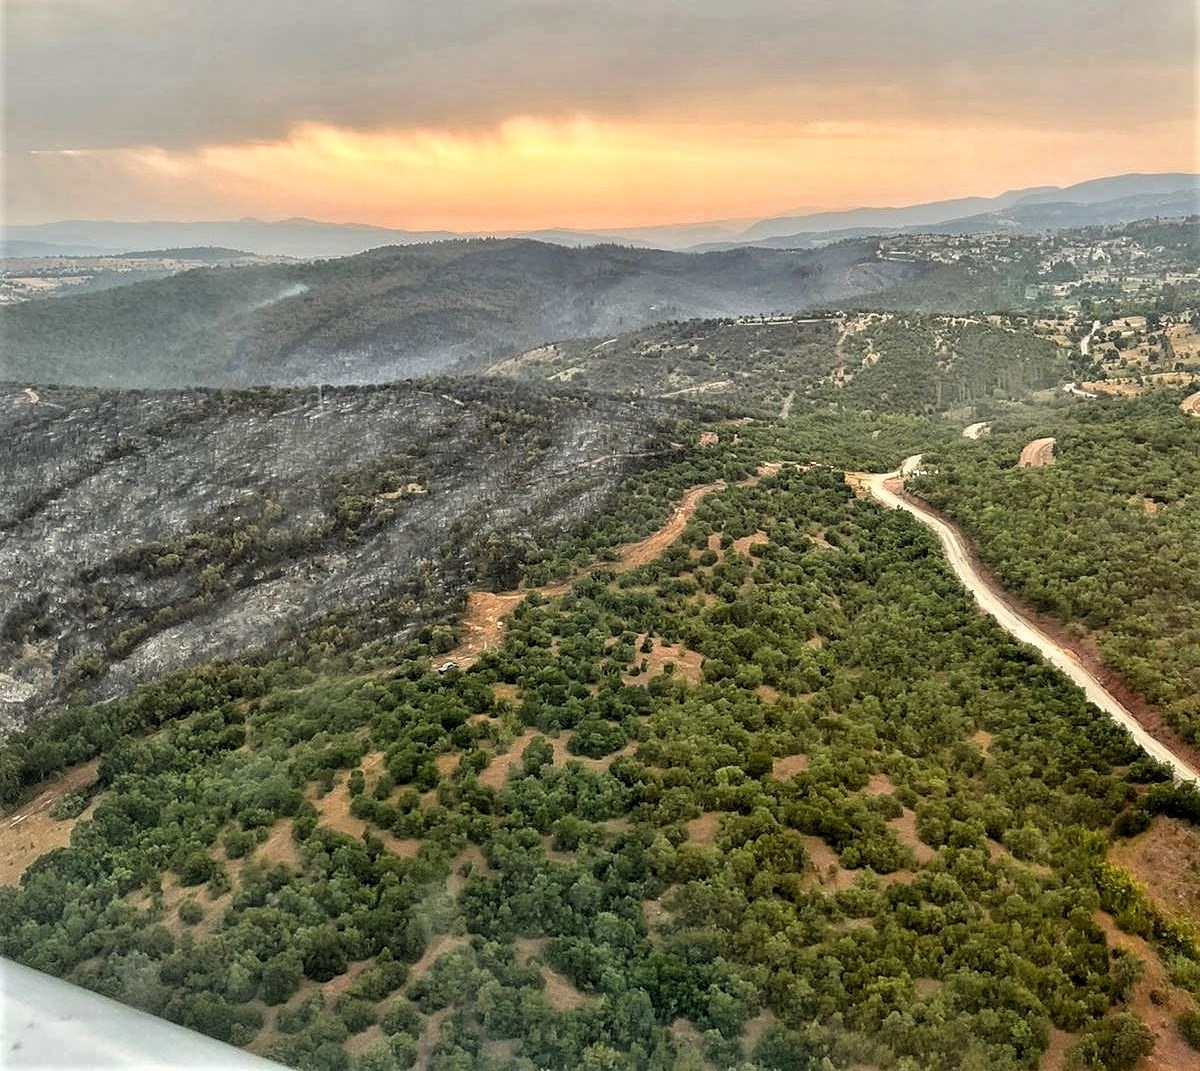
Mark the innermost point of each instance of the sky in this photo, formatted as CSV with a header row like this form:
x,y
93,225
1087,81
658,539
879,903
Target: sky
x,y
520,114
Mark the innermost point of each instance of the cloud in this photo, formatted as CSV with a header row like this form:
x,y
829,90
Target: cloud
x,y
528,173
119,73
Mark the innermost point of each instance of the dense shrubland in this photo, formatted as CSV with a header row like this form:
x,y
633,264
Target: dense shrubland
x,y
886,362
575,845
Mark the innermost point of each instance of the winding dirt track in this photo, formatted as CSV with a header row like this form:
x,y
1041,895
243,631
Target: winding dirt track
x,y
482,626
884,486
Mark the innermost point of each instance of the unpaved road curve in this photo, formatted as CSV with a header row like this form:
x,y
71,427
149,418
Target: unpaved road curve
x,y
993,603
1037,455
1191,404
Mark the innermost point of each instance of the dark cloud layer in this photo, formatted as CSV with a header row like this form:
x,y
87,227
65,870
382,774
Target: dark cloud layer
x,y
109,73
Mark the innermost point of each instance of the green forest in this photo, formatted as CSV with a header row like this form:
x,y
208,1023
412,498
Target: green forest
x,y
1107,540
777,798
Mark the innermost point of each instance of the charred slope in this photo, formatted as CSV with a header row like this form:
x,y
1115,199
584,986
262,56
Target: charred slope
x,y
146,531
404,311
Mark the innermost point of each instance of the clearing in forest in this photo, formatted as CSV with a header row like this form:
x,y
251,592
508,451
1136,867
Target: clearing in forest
x,y
333,810
789,766
29,832
1166,860
905,827
687,663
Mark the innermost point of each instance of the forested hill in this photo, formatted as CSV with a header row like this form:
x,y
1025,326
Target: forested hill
x,y
146,531
402,311
769,366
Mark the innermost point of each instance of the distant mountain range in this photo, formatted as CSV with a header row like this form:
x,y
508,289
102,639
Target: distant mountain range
x,y
1117,199
1100,202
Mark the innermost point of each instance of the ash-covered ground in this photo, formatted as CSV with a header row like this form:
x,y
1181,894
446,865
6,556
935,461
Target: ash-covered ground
x,y
144,531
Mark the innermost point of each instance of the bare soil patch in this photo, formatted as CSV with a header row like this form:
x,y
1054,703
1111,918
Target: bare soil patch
x,y
789,766
1056,1050
429,1037
685,1030
528,948
1037,454
174,895
880,785
560,992
983,739
754,1029
336,987
333,811
655,912
687,663
29,832
280,846
562,755
897,877
360,1042
1191,404
767,694
828,871
438,946
703,830
743,545
1166,860
905,828
472,856
496,773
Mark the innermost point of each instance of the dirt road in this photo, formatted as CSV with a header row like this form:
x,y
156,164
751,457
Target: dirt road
x,y
1038,454
976,431
1191,404
482,626
883,488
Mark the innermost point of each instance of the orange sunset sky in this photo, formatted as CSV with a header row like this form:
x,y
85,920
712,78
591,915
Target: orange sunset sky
x,y
508,115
